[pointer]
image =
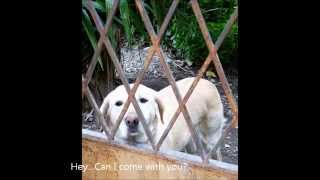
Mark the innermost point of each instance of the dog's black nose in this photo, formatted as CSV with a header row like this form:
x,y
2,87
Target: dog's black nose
x,y
132,123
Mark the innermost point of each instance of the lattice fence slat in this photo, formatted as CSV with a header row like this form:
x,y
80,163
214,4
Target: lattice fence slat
x,y
156,48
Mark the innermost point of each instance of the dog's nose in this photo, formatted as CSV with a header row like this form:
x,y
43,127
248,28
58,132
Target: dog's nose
x,y
132,123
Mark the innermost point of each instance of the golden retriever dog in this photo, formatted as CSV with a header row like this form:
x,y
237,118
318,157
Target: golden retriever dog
x,y
204,106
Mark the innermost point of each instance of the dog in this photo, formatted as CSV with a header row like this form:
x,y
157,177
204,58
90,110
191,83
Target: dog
x,y
204,106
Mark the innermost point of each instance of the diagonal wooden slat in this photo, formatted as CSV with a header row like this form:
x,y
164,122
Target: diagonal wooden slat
x,y
97,51
227,29
115,61
184,110
220,40
167,19
168,73
100,119
220,141
133,91
156,48
218,66
85,81
184,101
98,113
147,62
146,20
215,58
202,70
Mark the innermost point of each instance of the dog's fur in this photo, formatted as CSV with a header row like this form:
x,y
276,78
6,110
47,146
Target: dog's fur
x,y
204,106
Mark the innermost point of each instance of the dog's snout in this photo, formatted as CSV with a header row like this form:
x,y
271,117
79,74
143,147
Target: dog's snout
x,y
132,122
135,121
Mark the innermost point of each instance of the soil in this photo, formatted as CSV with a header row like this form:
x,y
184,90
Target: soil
x,y
132,62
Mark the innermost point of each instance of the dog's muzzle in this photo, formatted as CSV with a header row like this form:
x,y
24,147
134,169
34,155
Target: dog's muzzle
x,y
132,123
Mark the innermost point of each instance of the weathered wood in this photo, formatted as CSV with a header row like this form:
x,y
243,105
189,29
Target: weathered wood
x,y
216,61
227,28
115,60
128,162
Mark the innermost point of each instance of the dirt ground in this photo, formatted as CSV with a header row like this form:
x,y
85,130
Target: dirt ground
x,y
132,63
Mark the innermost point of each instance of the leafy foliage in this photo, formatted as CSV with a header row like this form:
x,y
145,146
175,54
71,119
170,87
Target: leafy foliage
x,y
183,33
90,31
186,35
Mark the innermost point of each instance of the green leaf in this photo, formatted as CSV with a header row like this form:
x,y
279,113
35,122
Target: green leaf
x,y
157,12
116,19
108,4
99,6
112,35
148,8
112,30
210,74
101,2
89,29
126,22
189,63
84,3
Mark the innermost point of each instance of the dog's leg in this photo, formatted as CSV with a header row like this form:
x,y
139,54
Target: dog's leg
x,y
100,129
191,148
215,125
219,155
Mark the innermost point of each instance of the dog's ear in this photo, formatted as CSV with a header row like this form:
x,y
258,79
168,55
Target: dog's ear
x,y
160,110
105,106
104,111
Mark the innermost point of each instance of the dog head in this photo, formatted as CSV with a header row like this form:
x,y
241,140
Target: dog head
x,y
131,127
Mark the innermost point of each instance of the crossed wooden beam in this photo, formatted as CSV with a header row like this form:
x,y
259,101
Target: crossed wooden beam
x,y
156,49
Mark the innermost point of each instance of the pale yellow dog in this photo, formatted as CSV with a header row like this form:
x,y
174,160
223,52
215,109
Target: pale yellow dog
x,y
204,105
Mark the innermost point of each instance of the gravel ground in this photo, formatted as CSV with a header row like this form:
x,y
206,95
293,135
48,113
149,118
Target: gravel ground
x,y
132,62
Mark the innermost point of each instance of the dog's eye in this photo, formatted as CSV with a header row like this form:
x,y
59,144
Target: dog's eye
x,y
143,100
118,103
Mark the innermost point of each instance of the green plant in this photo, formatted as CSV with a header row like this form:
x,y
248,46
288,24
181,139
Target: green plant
x,y
90,31
186,36
229,44
126,21
183,33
